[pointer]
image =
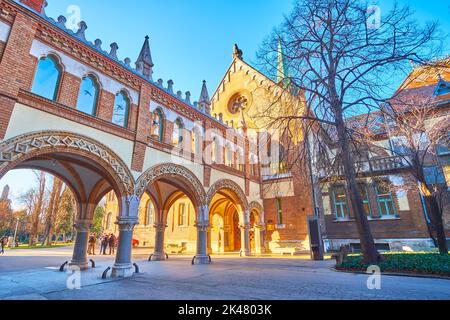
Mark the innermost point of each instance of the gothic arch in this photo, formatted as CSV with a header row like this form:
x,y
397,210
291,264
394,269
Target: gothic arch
x,y
27,146
254,205
229,185
170,170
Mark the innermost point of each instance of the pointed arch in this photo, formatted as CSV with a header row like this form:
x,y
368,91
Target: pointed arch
x,y
229,185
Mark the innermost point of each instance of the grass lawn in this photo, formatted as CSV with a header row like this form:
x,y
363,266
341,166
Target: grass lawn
x,y
25,247
410,263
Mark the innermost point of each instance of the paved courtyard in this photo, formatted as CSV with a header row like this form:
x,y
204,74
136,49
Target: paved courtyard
x,y
33,274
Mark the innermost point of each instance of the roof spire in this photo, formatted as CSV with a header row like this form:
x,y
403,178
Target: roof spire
x,y
144,63
204,102
282,73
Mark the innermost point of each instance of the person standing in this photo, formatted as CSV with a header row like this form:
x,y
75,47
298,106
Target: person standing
x,y
92,241
2,244
104,244
112,244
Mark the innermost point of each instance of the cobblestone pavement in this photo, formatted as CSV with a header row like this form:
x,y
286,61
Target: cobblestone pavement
x,y
33,274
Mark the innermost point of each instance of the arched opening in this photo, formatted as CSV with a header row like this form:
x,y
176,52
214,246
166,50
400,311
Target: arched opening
x,y
47,77
157,127
229,230
88,95
81,165
121,109
177,195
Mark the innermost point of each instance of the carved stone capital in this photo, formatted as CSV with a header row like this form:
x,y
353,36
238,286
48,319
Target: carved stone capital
x,y
82,225
160,227
126,223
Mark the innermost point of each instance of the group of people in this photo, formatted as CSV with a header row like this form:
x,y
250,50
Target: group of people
x,y
3,243
106,241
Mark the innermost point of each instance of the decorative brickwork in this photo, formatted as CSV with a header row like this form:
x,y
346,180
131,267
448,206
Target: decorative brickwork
x,y
19,149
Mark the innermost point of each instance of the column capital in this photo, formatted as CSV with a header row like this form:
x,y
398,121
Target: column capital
x,y
160,226
82,225
202,226
126,223
245,226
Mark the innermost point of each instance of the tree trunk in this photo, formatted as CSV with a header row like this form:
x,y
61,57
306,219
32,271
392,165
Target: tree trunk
x,y
51,211
369,250
37,210
436,220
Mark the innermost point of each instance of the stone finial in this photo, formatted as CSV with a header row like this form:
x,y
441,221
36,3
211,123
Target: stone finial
x,y
188,97
44,5
144,63
170,86
82,26
215,115
98,44
179,95
127,62
160,82
61,22
237,53
113,53
226,122
232,123
221,117
204,101
195,104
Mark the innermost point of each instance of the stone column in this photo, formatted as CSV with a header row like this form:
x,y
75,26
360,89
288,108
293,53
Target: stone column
x,y
258,239
159,254
123,267
79,257
202,225
245,240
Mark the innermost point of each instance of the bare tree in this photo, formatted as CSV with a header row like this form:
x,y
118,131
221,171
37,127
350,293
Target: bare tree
x,y
418,127
37,209
342,59
54,202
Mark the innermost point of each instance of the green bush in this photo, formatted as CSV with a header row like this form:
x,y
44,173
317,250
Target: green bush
x,y
419,263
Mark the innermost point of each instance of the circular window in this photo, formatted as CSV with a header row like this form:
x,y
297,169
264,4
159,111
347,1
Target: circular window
x,y
238,103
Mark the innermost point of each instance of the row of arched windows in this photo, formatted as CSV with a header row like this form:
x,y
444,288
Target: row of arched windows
x,y
47,81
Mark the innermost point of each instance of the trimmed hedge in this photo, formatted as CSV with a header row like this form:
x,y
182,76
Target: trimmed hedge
x,y
411,263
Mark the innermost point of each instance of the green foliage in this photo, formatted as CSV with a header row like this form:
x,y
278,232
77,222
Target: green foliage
x,y
98,220
65,213
419,263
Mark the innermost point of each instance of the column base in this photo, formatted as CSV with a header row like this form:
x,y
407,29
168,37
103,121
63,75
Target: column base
x,y
122,271
202,260
158,256
83,265
246,253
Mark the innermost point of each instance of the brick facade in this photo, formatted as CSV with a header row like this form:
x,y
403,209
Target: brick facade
x,y
69,90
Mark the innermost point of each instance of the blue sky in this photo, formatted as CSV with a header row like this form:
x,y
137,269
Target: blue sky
x,y
191,40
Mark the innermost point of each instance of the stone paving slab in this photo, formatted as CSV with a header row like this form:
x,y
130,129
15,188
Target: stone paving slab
x,y
229,278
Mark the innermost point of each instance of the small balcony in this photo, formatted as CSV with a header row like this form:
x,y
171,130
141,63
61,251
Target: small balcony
x,y
369,166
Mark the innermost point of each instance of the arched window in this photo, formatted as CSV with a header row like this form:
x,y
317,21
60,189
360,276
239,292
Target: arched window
x,y
109,221
150,214
121,109
240,161
177,135
214,150
228,156
47,78
88,96
158,124
196,141
182,215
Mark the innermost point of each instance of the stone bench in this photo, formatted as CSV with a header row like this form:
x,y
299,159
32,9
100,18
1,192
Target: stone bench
x,y
282,251
340,256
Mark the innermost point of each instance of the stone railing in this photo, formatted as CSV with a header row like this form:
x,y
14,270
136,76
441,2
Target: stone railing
x,y
372,165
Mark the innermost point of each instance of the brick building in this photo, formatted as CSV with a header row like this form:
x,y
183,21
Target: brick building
x,y
176,174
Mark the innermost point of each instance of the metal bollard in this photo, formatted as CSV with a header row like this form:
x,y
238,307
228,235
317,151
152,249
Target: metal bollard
x,y
105,273
61,269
